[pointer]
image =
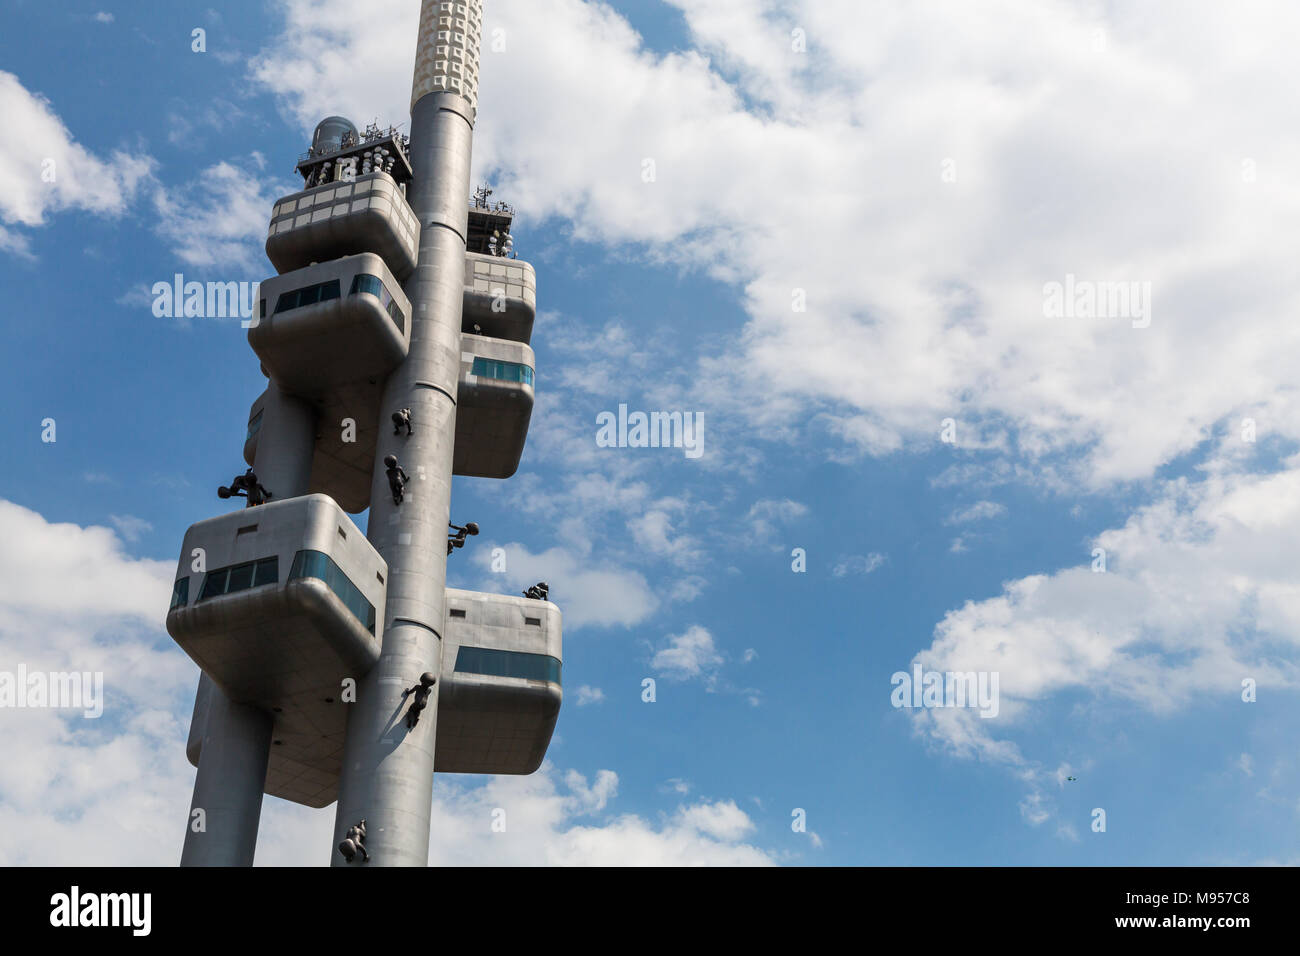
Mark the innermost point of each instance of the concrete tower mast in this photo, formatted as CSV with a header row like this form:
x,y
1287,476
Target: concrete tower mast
x,y
388,774
396,305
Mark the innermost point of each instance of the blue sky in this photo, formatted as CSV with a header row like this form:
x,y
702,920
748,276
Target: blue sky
x,y
1114,147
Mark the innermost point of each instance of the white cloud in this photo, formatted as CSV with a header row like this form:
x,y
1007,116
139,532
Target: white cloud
x,y
548,822
688,655
45,170
1198,596
1058,149
136,297
16,244
722,820
676,785
219,220
91,791
858,564
113,791
312,65
590,596
102,17
769,516
980,511
64,571
1055,151
188,126
601,363
588,695
592,799
130,527
686,589
1033,809
654,531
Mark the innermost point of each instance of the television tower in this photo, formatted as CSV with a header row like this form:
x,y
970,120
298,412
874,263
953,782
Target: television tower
x,y
395,340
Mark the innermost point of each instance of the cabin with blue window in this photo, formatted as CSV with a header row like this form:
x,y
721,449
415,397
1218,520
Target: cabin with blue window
x,y
330,324
278,605
501,694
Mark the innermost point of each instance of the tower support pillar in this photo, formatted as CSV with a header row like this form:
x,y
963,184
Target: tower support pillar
x,y
387,776
228,786
235,738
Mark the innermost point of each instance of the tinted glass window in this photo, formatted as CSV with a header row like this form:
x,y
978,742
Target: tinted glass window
x,y
373,285
238,578
498,663
241,578
502,371
267,572
316,564
214,584
367,284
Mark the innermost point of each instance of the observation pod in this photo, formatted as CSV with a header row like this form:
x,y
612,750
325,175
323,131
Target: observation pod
x,y
500,297
501,691
493,406
325,325
290,604
339,468
343,218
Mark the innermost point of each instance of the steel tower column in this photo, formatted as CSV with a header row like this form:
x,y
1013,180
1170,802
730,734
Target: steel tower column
x,y
387,776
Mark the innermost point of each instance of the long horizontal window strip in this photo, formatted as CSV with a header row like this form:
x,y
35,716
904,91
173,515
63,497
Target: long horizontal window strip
x,y
237,577
502,371
308,295
254,426
498,663
366,284
317,564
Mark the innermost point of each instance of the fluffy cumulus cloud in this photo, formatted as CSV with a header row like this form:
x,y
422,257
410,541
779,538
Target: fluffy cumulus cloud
x,y
895,193
999,147
112,790
1197,596
592,596
567,824
550,818
218,221
46,170
79,789
691,654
